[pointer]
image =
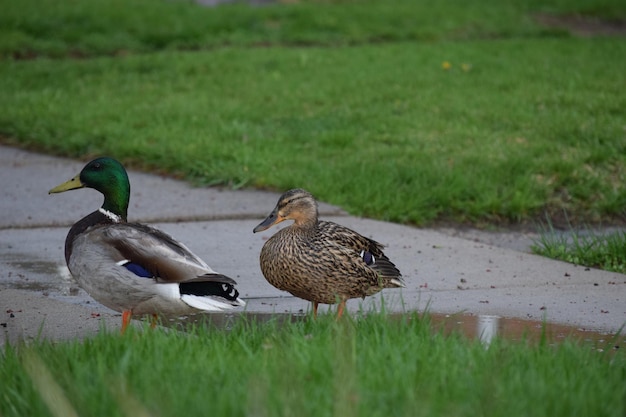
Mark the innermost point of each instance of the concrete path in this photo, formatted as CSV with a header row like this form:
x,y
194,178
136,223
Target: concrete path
x,y
444,273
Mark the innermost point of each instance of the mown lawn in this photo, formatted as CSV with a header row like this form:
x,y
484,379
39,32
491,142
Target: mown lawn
x,y
404,110
372,366
513,129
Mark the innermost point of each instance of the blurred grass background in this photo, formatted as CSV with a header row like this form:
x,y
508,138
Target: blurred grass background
x,y
406,111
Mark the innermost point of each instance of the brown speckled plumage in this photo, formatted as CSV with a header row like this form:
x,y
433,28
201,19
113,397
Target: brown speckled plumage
x,y
320,261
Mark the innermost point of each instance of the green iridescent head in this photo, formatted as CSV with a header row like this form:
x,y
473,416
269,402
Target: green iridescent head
x,y
109,177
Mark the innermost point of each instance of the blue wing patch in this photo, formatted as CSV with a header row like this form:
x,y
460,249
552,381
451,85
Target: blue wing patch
x,y
368,258
138,270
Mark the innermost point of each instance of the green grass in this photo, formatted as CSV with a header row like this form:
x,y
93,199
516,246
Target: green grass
x,y
87,28
370,367
584,247
349,99
384,131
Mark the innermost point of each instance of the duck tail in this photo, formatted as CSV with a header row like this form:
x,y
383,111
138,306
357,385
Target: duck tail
x,y
397,282
210,295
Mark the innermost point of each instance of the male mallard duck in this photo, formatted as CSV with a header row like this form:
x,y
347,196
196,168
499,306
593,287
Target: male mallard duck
x,y
321,261
133,268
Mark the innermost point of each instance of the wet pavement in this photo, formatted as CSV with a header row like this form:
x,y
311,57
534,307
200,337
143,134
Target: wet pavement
x,y
447,272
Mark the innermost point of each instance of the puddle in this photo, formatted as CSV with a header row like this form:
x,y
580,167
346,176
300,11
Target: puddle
x,y
53,279
35,275
487,327
33,286
226,321
35,266
482,327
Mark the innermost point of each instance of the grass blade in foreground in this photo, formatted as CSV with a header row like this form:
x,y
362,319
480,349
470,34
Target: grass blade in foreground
x,y
370,367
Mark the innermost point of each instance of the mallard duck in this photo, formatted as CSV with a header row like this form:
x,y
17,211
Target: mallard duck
x,y
320,261
133,268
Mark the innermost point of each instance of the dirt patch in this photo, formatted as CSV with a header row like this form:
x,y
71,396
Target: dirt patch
x,y
584,26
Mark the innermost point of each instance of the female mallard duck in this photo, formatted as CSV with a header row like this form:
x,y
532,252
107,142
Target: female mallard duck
x,y
133,268
320,261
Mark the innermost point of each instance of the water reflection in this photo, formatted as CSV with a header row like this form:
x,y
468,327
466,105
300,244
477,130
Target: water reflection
x,y
487,328
53,279
26,273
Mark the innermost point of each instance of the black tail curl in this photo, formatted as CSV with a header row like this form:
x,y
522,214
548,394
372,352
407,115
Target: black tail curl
x,y
204,289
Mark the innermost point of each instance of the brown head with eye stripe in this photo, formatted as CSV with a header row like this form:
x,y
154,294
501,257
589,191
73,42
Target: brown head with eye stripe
x,y
297,205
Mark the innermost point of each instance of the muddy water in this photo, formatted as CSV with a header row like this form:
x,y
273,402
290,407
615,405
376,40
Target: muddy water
x,y
486,328
482,327
38,275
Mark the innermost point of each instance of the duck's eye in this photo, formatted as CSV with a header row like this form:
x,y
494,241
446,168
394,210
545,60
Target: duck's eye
x,y
368,258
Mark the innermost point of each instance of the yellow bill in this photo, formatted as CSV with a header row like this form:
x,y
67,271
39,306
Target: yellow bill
x,y
72,184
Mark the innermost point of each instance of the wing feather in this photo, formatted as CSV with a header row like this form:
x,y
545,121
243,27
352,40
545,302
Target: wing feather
x,y
157,252
352,244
